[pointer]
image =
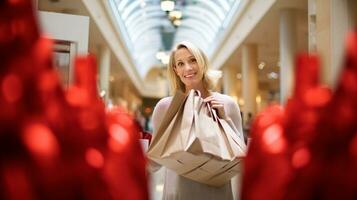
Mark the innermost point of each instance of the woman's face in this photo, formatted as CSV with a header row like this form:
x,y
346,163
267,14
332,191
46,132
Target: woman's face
x,y
187,69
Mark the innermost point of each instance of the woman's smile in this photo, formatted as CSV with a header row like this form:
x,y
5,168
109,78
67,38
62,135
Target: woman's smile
x,y
189,76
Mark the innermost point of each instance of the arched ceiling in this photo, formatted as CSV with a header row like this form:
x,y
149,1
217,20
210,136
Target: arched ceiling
x,y
147,29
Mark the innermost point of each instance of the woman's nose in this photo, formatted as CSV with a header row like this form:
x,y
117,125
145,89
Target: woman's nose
x,y
188,66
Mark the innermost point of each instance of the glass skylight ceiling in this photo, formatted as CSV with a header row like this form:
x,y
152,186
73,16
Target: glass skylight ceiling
x,y
148,29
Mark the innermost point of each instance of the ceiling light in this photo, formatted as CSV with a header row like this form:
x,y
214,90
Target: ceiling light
x,y
261,65
165,60
175,14
177,22
167,5
273,75
160,55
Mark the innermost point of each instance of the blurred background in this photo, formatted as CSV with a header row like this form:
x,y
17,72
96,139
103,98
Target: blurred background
x,y
252,42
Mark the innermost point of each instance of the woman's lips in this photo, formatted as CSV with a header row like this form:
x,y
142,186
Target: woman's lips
x,y
190,75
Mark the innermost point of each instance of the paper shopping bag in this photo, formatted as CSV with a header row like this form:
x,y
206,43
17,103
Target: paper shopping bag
x,y
194,142
170,140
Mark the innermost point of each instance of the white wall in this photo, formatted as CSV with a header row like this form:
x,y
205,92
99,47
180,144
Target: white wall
x,y
67,27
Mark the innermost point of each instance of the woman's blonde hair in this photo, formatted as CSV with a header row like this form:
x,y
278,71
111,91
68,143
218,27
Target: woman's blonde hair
x,y
208,77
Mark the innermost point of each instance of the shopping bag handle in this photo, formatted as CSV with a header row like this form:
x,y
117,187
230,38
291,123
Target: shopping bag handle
x,y
198,93
212,112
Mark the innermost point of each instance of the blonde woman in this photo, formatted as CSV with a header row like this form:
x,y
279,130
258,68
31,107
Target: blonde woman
x,y
188,69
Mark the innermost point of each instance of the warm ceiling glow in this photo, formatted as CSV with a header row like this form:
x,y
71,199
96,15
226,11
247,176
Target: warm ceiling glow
x,y
177,22
167,5
176,14
261,65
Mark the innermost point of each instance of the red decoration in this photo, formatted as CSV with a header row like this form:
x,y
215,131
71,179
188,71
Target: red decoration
x,y
56,144
307,150
125,170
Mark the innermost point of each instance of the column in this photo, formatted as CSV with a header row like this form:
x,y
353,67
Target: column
x,y
312,25
333,19
229,81
126,92
104,71
249,79
287,52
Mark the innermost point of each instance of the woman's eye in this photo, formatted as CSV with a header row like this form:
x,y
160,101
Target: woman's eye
x,y
193,60
179,64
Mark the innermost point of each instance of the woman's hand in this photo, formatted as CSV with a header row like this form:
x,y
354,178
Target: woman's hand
x,y
217,105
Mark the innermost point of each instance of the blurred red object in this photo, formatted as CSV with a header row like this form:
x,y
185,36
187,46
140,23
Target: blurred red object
x,y
307,150
125,170
56,144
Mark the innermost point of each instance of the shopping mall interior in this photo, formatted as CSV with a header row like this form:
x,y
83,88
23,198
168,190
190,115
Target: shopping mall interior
x,y
253,44
247,40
